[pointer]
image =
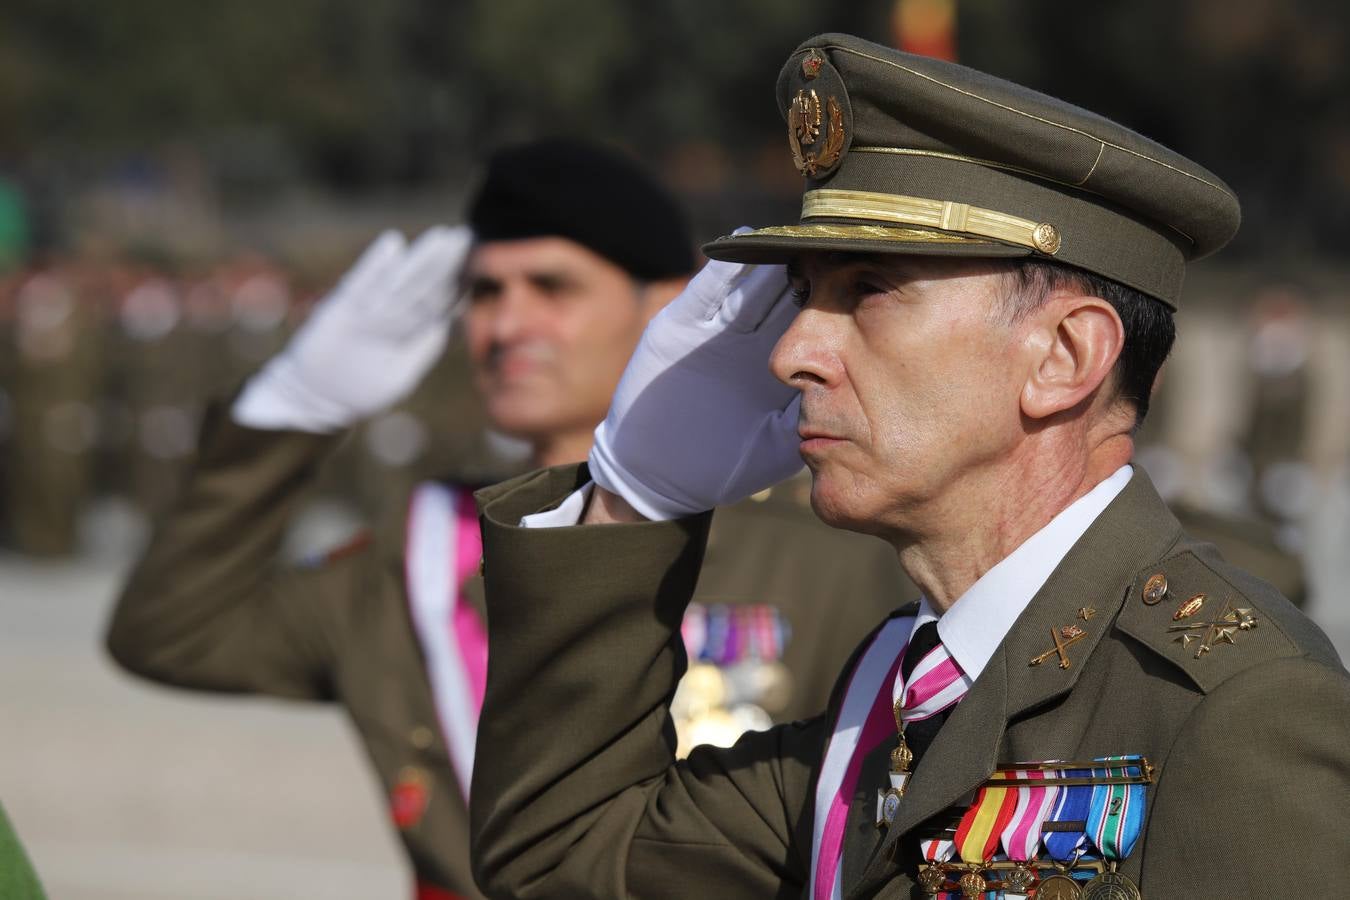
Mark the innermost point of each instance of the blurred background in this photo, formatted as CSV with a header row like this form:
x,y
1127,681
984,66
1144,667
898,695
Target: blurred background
x,y
179,182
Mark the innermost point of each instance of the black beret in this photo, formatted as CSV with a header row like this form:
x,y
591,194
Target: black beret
x,y
588,194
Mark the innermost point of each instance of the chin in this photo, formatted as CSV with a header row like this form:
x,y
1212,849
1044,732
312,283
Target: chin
x,y
520,419
833,506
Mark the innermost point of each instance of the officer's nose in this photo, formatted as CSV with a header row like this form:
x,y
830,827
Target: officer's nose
x,y
804,355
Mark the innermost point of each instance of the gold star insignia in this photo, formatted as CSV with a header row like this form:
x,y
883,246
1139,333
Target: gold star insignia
x,y
1222,630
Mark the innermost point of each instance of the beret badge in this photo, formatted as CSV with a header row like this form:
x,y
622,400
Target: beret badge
x,y
805,120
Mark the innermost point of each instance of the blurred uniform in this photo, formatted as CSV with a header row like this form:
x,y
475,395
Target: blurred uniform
x,y
1249,544
52,412
392,624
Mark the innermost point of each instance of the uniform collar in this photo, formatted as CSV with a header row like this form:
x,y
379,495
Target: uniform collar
x,y
977,622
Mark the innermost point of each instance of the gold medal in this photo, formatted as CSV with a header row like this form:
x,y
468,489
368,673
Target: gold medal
x,y
932,878
973,884
901,756
1019,880
1110,886
1058,887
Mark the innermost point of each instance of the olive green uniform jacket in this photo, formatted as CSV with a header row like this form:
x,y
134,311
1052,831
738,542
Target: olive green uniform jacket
x,y
211,607
576,792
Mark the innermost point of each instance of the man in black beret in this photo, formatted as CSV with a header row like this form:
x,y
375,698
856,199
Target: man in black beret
x,y
570,250
1086,702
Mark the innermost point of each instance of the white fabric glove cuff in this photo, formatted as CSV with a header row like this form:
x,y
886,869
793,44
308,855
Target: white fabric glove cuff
x,y
277,399
606,472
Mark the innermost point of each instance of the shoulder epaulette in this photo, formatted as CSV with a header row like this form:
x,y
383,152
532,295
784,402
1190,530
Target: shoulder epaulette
x,y
1186,611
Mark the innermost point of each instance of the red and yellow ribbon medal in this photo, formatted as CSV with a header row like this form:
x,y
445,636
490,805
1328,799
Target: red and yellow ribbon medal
x,y
977,837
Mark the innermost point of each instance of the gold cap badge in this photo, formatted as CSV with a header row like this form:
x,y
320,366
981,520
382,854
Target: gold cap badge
x,y
804,124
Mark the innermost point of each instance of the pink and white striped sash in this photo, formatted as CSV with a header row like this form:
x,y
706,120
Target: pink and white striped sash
x,y
866,719
442,548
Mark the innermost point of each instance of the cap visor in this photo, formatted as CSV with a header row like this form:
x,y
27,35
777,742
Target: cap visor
x,y
782,242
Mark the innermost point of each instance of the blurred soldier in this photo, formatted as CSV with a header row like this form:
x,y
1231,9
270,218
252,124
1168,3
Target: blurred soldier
x,y
575,250
55,377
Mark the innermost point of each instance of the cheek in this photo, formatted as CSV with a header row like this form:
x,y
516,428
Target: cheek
x,y
477,337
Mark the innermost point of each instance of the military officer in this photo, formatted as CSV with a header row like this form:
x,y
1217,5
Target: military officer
x,y
574,249
1085,702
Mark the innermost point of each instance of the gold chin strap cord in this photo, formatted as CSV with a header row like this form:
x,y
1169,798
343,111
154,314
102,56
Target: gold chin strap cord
x,y
946,215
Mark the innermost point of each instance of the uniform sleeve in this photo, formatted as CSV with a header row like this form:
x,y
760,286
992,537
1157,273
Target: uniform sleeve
x,y
576,789
209,606
1252,801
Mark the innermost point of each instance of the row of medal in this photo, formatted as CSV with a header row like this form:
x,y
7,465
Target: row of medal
x,y
1053,831
736,680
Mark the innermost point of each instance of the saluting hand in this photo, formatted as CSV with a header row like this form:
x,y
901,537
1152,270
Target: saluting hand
x,y
698,421
368,343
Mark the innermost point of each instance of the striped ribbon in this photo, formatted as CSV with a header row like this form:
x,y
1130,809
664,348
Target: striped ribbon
x,y
984,822
1022,836
936,684
1071,805
938,849
724,634
1116,812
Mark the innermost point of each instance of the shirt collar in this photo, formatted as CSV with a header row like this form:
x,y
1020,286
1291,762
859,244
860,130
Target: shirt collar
x,y
977,622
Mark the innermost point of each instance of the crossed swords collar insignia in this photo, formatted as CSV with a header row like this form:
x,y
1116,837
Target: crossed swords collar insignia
x,y
1065,637
818,128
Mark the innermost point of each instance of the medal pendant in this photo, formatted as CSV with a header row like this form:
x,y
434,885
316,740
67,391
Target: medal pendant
x,y
1019,880
932,878
890,805
973,885
1058,887
901,757
1110,886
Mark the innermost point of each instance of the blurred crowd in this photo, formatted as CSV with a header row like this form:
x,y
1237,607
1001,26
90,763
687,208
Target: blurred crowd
x,y
106,368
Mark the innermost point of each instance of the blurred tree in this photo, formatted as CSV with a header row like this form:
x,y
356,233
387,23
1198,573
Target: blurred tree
x,y
359,95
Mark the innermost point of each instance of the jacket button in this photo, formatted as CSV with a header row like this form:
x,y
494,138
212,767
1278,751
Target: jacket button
x,y
421,737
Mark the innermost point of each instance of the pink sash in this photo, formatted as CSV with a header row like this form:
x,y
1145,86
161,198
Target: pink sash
x,y
442,549
865,720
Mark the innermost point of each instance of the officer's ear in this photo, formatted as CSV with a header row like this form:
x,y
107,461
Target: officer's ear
x,y
654,295
1074,340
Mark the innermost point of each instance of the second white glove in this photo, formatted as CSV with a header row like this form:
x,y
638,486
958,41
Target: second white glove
x,y
368,343
698,420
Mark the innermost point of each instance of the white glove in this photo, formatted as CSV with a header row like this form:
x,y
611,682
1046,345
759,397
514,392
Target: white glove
x,y
368,343
698,420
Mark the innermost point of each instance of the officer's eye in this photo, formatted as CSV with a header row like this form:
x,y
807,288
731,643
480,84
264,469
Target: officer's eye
x,y
801,292
481,291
